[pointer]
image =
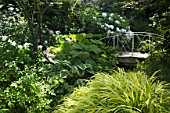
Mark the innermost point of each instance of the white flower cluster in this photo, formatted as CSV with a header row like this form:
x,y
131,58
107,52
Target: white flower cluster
x,y
13,43
111,25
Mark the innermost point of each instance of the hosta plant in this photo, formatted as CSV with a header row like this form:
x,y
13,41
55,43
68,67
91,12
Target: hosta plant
x,y
121,92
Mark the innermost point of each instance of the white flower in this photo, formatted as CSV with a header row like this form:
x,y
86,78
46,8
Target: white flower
x,y
4,38
68,39
40,46
98,23
94,17
130,35
45,42
109,32
150,25
104,14
9,40
106,24
102,26
121,18
13,43
111,26
117,29
111,14
20,46
117,22
110,18
123,30
26,44
154,23
11,8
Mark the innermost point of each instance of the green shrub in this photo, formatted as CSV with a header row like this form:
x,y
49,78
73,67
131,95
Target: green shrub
x,y
29,94
158,62
121,92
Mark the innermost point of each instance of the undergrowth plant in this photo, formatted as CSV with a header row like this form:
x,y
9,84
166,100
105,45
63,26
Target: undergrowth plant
x,y
121,92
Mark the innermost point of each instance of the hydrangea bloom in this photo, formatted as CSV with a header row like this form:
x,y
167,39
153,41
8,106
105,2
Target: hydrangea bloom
x,y
123,30
111,14
104,14
117,29
20,46
110,18
117,22
11,8
111,26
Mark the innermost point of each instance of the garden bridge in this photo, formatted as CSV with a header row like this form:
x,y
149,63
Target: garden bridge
x,y
133,46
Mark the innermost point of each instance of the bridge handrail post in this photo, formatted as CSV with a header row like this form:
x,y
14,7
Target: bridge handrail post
x,y
114,45
133,42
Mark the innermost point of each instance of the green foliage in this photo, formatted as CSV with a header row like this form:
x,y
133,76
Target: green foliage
x,y
74,59
158,62
122,92
28,94
86,51
12,25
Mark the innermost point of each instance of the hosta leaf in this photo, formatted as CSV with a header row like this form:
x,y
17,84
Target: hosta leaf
x,y
91,62
74,54
61,80
76,46
95,49
84,55
53,61
64,73
96,42
75,70
82,66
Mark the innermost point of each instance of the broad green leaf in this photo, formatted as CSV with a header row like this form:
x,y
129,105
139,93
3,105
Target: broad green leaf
x,y
98,42
84,55
95,49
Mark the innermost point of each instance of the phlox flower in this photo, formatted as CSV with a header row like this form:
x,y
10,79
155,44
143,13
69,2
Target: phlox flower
x,y
38,41
43,31
51,31
49,55
46,51
40,46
